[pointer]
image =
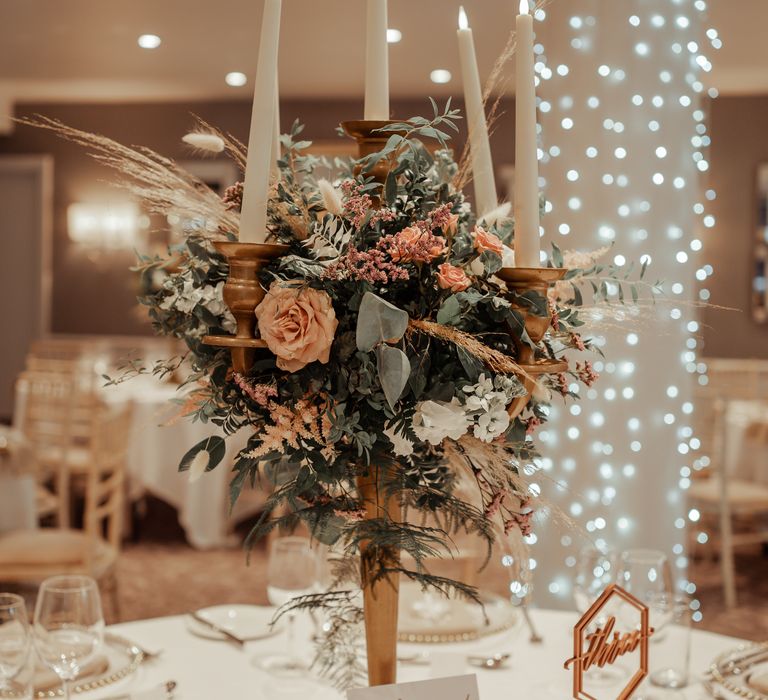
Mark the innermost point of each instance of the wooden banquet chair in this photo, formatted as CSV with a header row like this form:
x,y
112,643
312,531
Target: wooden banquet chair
x,y
54,411
731,490
29,556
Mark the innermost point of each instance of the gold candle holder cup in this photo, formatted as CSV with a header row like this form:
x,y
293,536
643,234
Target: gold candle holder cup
x,y
539,280
242,294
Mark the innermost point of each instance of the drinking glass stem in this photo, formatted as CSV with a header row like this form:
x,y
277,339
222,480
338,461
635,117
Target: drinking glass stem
x,y
65,686
291,618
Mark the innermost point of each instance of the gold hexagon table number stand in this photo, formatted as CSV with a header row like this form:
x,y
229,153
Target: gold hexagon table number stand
x,y
603,644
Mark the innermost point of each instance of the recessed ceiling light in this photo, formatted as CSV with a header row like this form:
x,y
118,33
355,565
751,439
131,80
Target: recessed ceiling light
x,y
236,79
394,36
440,75
149,41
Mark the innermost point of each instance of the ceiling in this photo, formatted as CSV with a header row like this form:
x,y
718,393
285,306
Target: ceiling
x,y
75,50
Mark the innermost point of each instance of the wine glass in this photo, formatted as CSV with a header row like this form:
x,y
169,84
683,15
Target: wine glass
x,y
292,572
595,570
14,643
646,574
68,626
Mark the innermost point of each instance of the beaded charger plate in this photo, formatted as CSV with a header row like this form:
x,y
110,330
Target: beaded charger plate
x,y
122,659
432,619
742,672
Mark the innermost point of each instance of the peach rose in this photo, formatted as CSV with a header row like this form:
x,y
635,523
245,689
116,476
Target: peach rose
x,y
298,325
404,242
452,277
487,241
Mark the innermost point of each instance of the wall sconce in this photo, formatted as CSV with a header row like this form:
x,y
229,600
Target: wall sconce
x,y
105,226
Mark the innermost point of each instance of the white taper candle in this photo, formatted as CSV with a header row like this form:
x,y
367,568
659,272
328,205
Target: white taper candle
x,y
527,244
253,219
376,61
486,198
277,151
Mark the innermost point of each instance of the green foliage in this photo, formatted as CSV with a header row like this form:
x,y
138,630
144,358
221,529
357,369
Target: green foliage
x,y
315,431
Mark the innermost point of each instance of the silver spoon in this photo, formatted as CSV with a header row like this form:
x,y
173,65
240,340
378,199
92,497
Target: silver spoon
x,y
489,662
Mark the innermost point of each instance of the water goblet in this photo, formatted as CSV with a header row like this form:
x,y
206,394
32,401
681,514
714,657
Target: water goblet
x,y
15,641
68,626
292,572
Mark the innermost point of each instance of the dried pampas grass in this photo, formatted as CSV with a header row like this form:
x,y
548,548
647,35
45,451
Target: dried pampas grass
x,y
204,143
493,359
497,215
161,184
331,197
233,147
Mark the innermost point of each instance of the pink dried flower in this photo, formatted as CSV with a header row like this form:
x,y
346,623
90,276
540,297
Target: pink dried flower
x,y
441,218
350,515
495,505
562,383
413,244
586,373
521,519
531,424
357,206
578,342
233,196
554,316
366,266
259,393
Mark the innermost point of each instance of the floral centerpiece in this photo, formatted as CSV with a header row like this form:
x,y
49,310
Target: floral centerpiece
x,y
392,385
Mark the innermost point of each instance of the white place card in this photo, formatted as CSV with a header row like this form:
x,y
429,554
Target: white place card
x,y
453,688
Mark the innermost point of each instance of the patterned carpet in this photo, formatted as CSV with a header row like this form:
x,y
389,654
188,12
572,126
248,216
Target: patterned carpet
x,y
161,575
168,578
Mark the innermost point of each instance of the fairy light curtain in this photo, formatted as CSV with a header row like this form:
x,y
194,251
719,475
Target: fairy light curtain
x,y
622,126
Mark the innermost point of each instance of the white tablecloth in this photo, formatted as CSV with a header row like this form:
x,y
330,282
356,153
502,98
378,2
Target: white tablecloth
x,y
211,670
153,458
156,448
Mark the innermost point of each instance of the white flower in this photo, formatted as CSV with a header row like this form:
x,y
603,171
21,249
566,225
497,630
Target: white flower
x,y
492,424
508,257
436,420
214,300
541,393
402,445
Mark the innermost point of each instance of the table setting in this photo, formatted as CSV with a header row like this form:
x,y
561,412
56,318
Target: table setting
x,y
256,652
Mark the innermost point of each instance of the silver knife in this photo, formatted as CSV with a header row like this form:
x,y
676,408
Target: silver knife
x,y
216,628
163,691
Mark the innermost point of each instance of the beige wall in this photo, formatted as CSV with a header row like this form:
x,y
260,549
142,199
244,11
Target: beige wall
x,y
739,144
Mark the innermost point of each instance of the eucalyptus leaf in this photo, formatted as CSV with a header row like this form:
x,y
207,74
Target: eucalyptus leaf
x,y
450,312
216,447
394,370
378,321
491,262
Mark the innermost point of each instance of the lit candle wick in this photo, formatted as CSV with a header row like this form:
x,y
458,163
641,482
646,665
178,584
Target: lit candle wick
x,y
463,21
524,8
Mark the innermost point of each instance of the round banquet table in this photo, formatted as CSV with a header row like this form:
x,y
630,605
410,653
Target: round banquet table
x,y
207,670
